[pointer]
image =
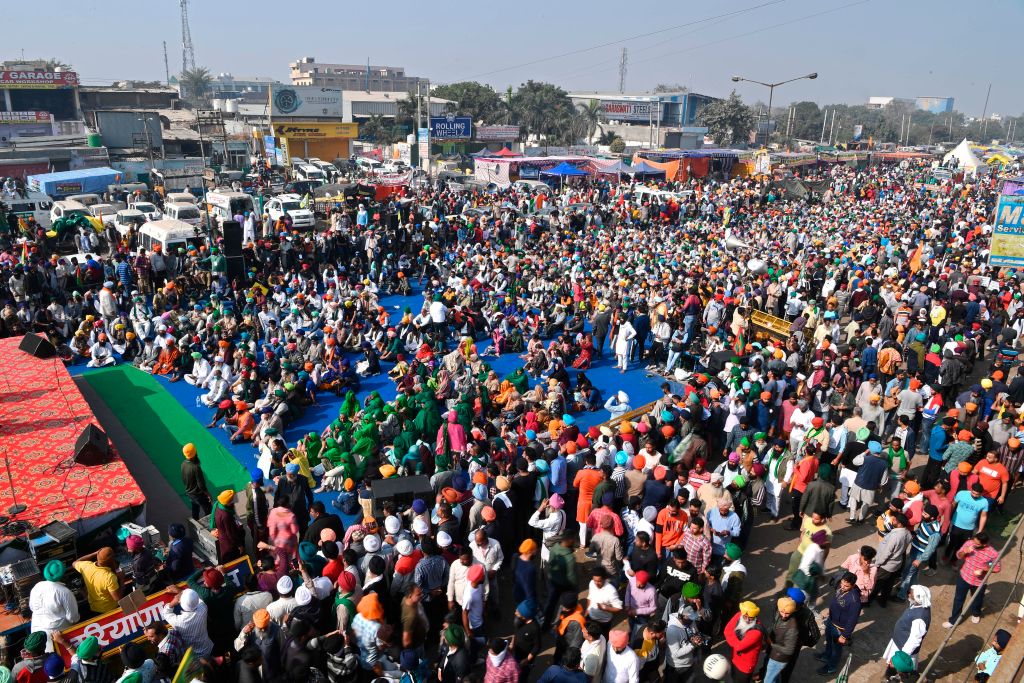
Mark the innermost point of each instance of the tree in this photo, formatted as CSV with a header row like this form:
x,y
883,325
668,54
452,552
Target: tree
x,y
378,130
617,146
473,99
407,109
589,116
195,83
607,137
728,120
542,109
52,64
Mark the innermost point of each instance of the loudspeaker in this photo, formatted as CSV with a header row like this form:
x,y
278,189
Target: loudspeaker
x,y
231,231
401,490
92,447
40,347
236,267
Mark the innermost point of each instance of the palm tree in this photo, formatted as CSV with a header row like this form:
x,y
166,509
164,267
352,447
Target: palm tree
x,y
52,64
590,118
195,83
607,137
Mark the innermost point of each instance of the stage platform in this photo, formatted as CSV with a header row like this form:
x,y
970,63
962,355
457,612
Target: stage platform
x,y
42,414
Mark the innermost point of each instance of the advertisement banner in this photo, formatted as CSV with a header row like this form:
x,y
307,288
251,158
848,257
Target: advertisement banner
x,y
25,117
316,131
451,127
627,111
269,145
858,132
68,188
116,629
497,133
304,101
1007,250
45,80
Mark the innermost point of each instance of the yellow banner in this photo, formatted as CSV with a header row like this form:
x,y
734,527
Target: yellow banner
x,y
316,131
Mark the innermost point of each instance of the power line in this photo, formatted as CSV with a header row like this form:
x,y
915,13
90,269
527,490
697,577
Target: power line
x,y
624,40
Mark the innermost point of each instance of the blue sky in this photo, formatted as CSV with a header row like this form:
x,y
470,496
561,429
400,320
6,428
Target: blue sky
x,y
904,48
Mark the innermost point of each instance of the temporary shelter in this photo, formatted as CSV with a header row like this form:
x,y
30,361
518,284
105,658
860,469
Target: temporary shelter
x,y
966,159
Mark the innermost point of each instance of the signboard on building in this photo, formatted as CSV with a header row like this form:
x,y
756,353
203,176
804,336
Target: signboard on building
x,y
46,80
304,101
316,131
1007,249
858,132
25,117
497,133
623,110
116,629
451,127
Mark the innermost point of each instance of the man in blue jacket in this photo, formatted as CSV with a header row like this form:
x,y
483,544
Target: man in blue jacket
x,y
843,614
870,477
938,440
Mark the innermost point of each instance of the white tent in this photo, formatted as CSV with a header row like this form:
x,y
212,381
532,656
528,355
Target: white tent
x,y
966,159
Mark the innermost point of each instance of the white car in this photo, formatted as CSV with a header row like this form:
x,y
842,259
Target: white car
x,y
148,209
290,204
186,213
126,219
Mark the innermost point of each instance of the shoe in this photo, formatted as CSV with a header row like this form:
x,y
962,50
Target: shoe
x,y
975,620
928,571
823,671
947,624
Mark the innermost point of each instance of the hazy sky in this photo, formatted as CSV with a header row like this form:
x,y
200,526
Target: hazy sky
x,y
859,48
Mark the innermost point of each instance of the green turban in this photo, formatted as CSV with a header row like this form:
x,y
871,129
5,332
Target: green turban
x,y
454,635
88,649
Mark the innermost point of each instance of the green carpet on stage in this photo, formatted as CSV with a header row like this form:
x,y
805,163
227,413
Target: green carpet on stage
x,y
161,426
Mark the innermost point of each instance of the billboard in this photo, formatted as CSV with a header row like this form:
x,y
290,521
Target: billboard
x,y
451,127
304,101
502,133
46,80
25,117
621,110
316,131
1007,249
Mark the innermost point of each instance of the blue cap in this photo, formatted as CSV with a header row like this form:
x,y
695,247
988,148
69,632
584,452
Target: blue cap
x,y
257,477
527,608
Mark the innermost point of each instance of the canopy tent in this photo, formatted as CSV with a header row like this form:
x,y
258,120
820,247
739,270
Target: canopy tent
x,y
615,168
966,159
643,168
506,152
564,169
483,153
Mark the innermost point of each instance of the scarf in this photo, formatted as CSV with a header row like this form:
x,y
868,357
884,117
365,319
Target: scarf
x,y
497,659
733,567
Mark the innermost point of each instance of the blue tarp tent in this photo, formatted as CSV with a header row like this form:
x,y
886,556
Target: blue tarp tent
x,y
564,169
82,181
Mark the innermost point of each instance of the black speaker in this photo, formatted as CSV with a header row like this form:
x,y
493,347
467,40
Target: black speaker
x,y
231,231
401,490
236,267
40,347
92,447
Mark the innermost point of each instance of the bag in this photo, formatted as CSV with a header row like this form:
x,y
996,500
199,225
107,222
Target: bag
x,y
807,625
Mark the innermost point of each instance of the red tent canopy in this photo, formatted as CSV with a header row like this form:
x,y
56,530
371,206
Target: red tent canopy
x,y
505,152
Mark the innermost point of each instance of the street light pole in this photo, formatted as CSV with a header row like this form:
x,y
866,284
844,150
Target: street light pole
x,y
771,94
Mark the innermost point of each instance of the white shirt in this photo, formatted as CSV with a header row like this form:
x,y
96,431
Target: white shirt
x,y
607,594
438,312
491,556
53,606
621,667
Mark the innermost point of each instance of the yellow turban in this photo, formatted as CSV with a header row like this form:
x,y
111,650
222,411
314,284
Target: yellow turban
x,y
749,609
226,497
787,605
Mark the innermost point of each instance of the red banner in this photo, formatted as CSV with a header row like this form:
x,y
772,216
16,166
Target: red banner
x,y
38,79
116,629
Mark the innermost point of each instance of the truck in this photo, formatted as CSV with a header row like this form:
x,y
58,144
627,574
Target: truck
x,y
189,179
81,181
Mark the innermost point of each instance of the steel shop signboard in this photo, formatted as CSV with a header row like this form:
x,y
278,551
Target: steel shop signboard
x,y
116,629
305,100
621,110
451,127
46,80
501,133
1007,250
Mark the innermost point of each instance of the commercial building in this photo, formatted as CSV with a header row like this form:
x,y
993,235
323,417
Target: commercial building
x,y
935,105
248,89
307,71
679,109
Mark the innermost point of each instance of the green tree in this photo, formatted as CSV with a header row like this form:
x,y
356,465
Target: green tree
x,y
473,99
617,146
543,109
729,121
52,64
407,109
607,137
378,130
195,83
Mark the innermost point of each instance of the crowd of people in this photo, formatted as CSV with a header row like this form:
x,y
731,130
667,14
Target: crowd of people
x,y
895,393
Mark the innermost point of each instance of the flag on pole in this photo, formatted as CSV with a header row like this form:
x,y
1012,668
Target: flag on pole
x,y
844,673
915,259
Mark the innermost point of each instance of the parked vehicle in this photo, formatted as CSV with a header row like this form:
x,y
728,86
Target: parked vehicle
x,y
224,205
104,212
148,208
180,198
170,235
86,199
34,204
308,172
186,213
127,219
290,204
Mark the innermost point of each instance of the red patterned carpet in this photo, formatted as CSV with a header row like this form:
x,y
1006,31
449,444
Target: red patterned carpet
x,y
42,413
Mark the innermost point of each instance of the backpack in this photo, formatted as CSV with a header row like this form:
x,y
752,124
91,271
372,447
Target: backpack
x,y
807,625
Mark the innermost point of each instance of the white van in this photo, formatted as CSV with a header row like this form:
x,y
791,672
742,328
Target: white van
x,y
308,172
85,199
34,204
170,235
290,204
224,205
180,198
186,213
369,165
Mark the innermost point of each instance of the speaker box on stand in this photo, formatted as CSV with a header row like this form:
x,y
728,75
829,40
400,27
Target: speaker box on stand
x,y
92,447
38,346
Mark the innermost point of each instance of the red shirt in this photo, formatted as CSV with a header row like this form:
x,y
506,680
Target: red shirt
x,y
745,649
991,476
977,560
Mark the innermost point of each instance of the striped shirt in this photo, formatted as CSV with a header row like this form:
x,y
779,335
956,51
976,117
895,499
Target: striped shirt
x,y
698,550
977,560
191,627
